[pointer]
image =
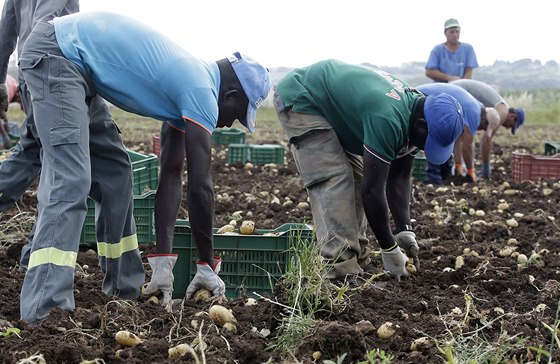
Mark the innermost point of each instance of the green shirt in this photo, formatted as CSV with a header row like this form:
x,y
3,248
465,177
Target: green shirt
x,y
367,108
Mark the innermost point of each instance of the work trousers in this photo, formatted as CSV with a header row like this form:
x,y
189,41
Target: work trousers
x,y
333,179
65,107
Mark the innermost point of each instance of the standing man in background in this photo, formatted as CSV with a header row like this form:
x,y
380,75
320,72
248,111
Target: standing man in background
x,y
510,118
451,60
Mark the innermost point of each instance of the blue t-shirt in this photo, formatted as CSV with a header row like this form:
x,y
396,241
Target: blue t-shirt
x,y
452,63
140,70
471,106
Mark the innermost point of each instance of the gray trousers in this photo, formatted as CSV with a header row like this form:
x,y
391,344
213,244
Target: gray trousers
x,y
67,113
332,178
24,164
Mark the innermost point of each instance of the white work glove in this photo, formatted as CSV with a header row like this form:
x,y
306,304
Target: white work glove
x,y
162,276
207,277
394,261
407,241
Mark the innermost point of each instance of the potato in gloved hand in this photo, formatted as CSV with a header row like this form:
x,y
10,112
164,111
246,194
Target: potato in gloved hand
x,y
394,261
407,241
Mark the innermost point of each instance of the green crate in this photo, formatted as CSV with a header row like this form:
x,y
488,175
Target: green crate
x,y
143,217
228,136
237,153
551,148
419,168
266,153
257,154
250,263
144,172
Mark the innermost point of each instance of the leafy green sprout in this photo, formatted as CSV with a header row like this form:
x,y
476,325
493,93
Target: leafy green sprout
x,y
10,331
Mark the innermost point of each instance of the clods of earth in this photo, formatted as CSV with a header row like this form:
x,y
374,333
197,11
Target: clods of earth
x,y
489,282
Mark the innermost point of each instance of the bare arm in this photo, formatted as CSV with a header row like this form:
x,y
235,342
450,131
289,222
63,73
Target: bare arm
x,y
468,73
439,76
169,191
486,147
200,190
467,149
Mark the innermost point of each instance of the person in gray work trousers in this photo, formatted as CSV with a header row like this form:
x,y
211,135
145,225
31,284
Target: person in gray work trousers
x,y
24,164
72,59
56,231
18,18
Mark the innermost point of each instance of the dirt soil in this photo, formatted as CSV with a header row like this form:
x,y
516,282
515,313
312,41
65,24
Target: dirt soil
x,y
491,300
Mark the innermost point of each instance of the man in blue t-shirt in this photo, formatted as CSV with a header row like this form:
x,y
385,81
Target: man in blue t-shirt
x,y
451,60
476,117
69,61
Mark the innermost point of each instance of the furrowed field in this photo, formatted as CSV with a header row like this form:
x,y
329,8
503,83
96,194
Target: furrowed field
x,y
488,290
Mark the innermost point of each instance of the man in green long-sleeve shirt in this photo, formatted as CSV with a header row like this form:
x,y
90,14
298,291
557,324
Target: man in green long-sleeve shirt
x,y
354,132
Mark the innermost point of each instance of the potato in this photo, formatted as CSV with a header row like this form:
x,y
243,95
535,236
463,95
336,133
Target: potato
x,y
421,343
316,355
512,223
226,229
221,315
202,295
230,327
387,330
179,351
127,338
459,262
247,227
251,302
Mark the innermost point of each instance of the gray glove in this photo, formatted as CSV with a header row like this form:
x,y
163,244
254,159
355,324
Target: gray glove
x,y
407,242
162,276
394,261
207,277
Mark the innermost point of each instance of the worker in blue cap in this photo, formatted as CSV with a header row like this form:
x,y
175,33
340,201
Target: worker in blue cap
x,y
68,64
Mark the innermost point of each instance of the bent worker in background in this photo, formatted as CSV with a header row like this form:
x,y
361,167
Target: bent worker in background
x,y
477,117
510,118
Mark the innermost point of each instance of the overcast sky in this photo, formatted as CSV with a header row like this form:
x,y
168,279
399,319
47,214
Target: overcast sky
x,y
386,33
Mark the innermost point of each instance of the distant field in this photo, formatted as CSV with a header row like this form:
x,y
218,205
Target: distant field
x,y
542,110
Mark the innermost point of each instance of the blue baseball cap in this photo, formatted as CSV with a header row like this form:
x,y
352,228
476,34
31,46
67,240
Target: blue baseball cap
x,y
255,81
444,116
519,119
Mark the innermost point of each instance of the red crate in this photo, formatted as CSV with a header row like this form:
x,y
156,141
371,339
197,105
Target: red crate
x,y
155,143
528,167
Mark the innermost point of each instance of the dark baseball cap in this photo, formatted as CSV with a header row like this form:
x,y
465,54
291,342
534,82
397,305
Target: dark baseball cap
x,y
519,119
